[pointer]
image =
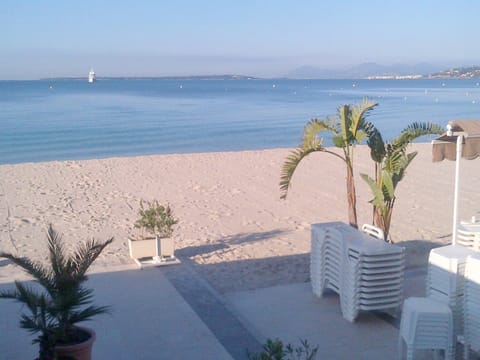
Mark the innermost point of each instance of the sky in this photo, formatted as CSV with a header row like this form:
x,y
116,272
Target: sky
x,y
266,38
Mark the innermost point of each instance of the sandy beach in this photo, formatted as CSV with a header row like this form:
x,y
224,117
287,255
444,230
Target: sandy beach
x,y
232,227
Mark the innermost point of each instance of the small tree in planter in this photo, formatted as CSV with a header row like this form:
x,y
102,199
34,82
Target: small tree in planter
x,y
156,220
64,301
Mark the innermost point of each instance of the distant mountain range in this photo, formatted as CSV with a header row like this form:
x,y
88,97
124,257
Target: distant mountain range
x,y
373,70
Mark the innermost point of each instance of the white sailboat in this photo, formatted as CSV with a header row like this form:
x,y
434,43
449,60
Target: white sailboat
x,y
91,76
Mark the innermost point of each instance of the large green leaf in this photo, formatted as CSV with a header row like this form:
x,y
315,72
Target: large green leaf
x,y
403,165
378,197
388,186
375,142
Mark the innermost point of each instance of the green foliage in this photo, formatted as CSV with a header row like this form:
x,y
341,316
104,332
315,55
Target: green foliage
x,y
62,300
156,219
276,350
391,162
347,129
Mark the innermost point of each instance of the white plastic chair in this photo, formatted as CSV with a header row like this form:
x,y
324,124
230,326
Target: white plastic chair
x,y
373,231
426,324
472,305
465,238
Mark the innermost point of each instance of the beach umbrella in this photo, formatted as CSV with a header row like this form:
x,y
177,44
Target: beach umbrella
x,y
462,140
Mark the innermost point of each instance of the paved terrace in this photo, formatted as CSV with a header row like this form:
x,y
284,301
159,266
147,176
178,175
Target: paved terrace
x,y
173,313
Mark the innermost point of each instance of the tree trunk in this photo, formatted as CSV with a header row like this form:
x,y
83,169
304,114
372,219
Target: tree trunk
x,y
383,221
46,343
379,221
351,198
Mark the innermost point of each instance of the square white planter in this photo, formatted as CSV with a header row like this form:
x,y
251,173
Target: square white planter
x,y
153,251
142,248
166,247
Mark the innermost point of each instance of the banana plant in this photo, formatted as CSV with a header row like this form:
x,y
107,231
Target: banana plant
x,y
348,128
391,162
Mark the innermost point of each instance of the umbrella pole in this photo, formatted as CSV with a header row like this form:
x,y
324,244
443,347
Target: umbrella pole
x,y
455,195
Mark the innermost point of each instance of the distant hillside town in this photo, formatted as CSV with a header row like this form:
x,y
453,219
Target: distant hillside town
x,y
456,73
463,72
377,71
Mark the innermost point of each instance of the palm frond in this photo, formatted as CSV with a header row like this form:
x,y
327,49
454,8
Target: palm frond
x,y
359,113
394,159
87,313
85,255
29,323
289,167
34,268
311,130
345,119
414,131
27,296
56,252
37,303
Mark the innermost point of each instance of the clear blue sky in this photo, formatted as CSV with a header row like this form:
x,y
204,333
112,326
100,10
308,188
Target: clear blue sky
x,y
262,38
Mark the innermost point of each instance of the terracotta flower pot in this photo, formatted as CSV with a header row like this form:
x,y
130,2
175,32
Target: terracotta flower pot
x,y
81,351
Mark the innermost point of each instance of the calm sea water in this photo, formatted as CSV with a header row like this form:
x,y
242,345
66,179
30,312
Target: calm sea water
x,y
71,119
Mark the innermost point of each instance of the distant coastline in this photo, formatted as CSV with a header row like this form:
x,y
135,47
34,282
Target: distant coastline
x,y
369,71
455,73
192,77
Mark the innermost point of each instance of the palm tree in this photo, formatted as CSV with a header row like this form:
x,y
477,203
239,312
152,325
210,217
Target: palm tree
x,y
391,161
348,129
64,301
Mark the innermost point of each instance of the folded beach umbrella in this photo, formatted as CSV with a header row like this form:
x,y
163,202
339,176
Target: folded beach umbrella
x,y
462,139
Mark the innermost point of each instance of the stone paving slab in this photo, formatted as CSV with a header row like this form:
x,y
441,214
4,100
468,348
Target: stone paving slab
x,y
149,320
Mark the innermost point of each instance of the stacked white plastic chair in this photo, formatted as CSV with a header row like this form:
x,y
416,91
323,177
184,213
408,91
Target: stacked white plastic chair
x,y
316,261
372,275
365,272
426,324
468,234
373,231
471,306
325,259
467,238
445,280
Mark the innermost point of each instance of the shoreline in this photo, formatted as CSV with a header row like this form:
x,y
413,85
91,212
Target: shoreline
x,y
233,227
127,156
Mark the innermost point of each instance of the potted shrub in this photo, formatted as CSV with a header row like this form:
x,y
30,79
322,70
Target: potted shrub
x,y
156,223
60,301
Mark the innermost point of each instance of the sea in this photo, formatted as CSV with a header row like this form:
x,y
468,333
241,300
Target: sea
x,y
70,119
